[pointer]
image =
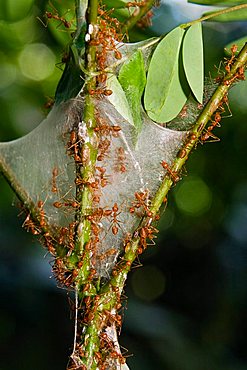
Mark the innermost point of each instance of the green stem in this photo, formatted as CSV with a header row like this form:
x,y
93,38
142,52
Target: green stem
x,y
90,338
90,148
131,21
215,14
92,343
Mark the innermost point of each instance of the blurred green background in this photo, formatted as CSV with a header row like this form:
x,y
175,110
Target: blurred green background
x,y
187,305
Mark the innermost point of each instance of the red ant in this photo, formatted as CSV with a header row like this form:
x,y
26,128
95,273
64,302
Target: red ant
x,y
63,232
103,149
105,129
121,157
117,54
108,253
113,213
49,245
113,318
49,103
146,20
30,225
115,221
141,201
93,184
234,49
136,3
239,75
73,146
102,77
105,14
182,153
208,133
174,176
42,221
217,119
103,178
54,178
146,232
56,16
100,92
106,38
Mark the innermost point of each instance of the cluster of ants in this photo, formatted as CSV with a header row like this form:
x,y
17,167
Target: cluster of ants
x,y
104,38
64,238
139,206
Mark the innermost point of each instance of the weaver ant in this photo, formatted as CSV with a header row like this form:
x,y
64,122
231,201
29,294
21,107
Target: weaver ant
x,y
146,232
42,221
146,20
121,157
190,140
208,134
239,75
49,103
141,200
57,17
106,14
234,50
73,146
174,176
113,214
104,146
108,253
100,92
54,178
30,225
136,3
103,178
104,128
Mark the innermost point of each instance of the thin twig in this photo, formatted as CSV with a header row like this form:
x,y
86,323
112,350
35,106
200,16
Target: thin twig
x,y
214,14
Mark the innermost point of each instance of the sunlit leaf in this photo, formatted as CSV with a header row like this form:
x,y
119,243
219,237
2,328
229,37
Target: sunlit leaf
x,y
238,15
117,4
218,2
164,94
239,42
132,77
118,98
193,59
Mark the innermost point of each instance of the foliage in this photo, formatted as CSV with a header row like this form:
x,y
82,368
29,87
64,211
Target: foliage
x,y
66,267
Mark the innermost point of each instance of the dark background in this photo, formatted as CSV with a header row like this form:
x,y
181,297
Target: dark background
x,y
187,305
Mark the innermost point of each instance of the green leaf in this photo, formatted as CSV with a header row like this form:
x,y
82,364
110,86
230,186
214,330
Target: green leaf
x,y
116,4
218,2
132,77
164,94
238,15
193,60
239,42
118,98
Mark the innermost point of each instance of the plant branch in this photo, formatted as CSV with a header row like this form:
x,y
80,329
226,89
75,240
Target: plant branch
x,y
89,150
89,339
215,14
